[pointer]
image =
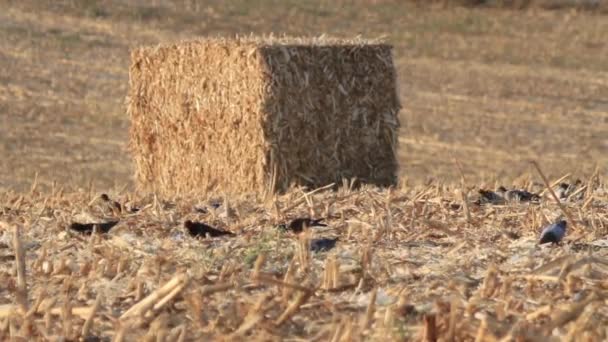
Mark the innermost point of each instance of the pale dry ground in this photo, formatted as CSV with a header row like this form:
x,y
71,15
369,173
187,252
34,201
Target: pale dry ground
x,y
492,88
408,265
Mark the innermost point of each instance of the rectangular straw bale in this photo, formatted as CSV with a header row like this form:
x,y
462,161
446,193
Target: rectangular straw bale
x,y
239,115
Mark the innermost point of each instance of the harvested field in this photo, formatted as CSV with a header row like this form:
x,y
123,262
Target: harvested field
x,y
409,263
483,90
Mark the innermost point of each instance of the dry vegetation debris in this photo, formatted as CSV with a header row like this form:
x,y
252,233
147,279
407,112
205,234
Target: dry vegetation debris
x,y
409,263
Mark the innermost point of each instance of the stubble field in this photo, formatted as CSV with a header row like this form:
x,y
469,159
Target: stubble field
x,y
486,89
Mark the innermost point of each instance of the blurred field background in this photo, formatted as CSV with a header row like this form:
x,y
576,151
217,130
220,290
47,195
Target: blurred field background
x,y
492,87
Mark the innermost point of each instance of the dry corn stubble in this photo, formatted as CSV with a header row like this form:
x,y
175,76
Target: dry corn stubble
x,y
421,280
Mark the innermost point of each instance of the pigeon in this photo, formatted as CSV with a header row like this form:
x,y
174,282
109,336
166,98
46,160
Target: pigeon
x,y
323,244
87,228
203,229
516,195
561,190
490,197
553,233
564,190
502,195
297,225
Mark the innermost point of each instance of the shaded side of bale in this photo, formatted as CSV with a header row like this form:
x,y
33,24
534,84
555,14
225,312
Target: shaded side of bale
x,y
195,110
332,113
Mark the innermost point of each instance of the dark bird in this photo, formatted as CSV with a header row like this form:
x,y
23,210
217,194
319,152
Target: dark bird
x,y
297,225
324,244
564,190
87,228
490,197
553,233
203,229
516,195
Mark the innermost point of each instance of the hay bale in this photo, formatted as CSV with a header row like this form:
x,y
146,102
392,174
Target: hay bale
x,y
256,114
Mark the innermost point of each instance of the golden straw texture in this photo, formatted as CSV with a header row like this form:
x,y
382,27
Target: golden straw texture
x,y
254,114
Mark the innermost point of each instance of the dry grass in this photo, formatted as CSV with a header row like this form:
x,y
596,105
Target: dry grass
x,y
493,88
409,265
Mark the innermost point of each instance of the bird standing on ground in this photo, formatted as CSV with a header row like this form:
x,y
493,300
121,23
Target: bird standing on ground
x,y
503,195
297,225
564,190
88,228
553,233
517,195
87,220
203,229
490,197
323,244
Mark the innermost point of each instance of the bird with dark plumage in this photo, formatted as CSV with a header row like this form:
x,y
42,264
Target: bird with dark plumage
x,y
490,197
564,190
553,233
297,225
323,244
503,195
517,195
203,229
88,228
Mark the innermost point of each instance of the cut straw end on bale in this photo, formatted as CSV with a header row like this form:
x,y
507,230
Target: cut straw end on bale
x,y
258,115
